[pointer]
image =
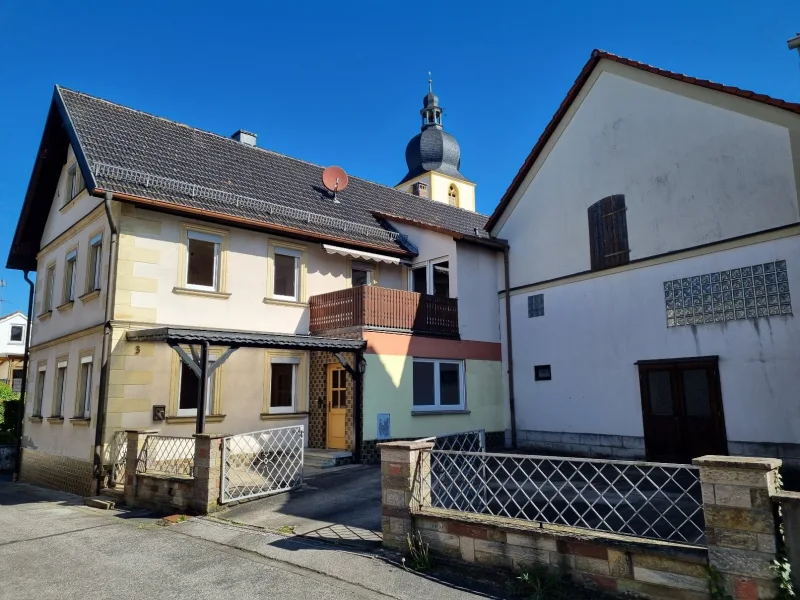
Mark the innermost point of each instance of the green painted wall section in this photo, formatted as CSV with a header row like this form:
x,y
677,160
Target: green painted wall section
x,y
388,389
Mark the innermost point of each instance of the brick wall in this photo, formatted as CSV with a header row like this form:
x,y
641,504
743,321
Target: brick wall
x,y
56,472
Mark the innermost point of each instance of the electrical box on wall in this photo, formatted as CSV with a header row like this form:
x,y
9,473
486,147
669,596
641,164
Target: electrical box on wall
x,y
159,412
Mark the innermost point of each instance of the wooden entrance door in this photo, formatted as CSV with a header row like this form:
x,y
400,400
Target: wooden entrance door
x,y
682,409
337,407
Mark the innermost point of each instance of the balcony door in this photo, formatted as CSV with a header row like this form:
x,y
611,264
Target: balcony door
x,y
682,409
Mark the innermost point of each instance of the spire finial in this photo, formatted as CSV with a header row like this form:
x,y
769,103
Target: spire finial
x,y
430,82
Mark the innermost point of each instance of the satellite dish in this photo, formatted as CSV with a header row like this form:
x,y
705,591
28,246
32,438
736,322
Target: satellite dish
x,y
335,180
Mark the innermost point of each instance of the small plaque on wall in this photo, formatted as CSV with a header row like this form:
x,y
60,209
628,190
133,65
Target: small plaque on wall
x,y
384,426
159,412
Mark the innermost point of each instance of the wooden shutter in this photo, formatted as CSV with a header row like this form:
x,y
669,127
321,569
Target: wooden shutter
x,y
608,233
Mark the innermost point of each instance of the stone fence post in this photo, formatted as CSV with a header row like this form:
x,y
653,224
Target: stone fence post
x,y
405,486
740,523
135,442
207,472
790,511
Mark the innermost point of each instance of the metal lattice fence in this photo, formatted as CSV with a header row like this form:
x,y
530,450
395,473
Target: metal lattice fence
x,y
466,441
262,462
166,454
118,455
652,500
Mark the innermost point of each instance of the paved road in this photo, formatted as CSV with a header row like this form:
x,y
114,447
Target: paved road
x,y
51,546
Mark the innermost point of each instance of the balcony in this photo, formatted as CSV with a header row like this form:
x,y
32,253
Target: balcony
x,y
384,308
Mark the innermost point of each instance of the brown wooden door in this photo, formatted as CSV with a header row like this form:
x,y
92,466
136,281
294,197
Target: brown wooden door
x,y
337,407
682,409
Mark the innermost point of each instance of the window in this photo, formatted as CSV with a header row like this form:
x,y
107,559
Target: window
x,y
83,405
49,284
362,274
95,260
452,195
17,334
286,274
190,390
542,373
535,305
608,233
74,183
283,384
431,278
203,264
419,279
440,284
16,380
438,384
58,390
39,397
69,277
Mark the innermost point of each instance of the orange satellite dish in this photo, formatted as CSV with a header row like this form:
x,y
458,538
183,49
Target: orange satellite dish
x,y
335,179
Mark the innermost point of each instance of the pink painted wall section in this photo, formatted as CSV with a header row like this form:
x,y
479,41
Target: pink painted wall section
x,y
426,347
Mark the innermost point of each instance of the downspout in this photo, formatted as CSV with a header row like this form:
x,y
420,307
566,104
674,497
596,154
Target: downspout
x,y
509,354
102,400
24,386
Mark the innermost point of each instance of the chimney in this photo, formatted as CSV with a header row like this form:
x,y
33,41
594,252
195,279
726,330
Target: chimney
x,y
245,137
420,189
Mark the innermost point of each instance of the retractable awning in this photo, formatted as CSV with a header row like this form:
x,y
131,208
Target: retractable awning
x,y
361,255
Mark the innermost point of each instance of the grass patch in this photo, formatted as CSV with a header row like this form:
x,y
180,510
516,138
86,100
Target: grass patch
x,y
419,556
287,529
540,583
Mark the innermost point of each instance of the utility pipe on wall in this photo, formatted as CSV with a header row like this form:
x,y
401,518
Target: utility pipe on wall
x,y
24,385
509,354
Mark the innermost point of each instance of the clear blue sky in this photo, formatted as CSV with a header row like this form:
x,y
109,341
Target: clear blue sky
x,y
342,82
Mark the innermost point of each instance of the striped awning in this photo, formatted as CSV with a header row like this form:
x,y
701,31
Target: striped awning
x,y
361,255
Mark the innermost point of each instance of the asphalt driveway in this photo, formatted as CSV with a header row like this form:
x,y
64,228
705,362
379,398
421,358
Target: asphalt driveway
x,y
342,506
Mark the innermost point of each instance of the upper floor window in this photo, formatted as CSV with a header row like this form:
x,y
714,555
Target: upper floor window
x,y
69,277
95,260
17,334
286,274
452,195
608,233
432,278
362,274
203,264
75,183
49,285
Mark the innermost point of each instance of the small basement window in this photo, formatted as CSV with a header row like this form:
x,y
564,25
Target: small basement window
x,y
202,269
438,384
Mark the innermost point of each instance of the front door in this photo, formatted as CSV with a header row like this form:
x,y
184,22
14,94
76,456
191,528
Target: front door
x,y
337,407
682,409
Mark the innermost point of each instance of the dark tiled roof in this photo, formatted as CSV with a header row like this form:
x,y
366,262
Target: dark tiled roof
x,y
123,147
243,339
583,76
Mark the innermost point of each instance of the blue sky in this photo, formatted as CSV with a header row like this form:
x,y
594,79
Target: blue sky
x,y
342,82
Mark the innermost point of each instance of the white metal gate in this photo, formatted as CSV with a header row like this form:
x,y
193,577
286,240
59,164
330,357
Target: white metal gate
x,y
261,463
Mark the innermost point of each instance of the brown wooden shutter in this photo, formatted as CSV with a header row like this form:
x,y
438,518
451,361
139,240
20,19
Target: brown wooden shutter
x,y
608,233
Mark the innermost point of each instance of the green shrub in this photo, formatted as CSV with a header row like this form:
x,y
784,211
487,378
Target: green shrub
x,y
10,406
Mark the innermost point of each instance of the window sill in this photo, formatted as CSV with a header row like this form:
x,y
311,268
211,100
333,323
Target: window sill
x,y
277,302
89,296
68,205
191,419
80,422
66,306
291,416
45,315
35,419
201,293
56,420
426,413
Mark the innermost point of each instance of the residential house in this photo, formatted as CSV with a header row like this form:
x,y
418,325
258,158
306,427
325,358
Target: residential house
x,y
13,328
361,314
654,249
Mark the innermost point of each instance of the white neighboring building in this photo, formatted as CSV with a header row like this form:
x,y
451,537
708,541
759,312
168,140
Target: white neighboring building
x,y
13,328
654,236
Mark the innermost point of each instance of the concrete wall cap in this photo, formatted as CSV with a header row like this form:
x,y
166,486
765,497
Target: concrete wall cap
x,y
211,436
738,462
413,445
787,496
143,431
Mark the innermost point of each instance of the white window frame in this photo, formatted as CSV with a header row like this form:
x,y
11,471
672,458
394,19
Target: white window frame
x,y
75,184
297,255
96,255
85,387
69,277
284,360
437,406
363,266
22,338
193,234
192,412
428,265
38,399
60,365
49,286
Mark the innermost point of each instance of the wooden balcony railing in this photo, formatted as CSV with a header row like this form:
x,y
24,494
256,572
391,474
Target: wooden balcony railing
x,y
372,306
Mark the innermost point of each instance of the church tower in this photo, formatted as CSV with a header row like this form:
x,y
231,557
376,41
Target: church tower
x,y
434,159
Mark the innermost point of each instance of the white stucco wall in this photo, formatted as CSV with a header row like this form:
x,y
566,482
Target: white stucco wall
x,y
478,316
594,330
432,246
691,172
6,345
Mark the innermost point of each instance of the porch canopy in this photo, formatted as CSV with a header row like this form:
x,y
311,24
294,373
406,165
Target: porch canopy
x,y
198,361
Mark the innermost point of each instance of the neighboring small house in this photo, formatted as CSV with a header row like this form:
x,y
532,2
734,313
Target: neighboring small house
x,y
654,235
225,243
13,328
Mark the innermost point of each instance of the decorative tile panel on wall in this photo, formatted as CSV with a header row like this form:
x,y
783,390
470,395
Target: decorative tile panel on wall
x,y
746,293
536,305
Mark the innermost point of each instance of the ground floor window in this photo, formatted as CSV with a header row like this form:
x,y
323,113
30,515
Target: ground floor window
x,y
84,401
189,391
58,391
39,397
283,384
438,384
